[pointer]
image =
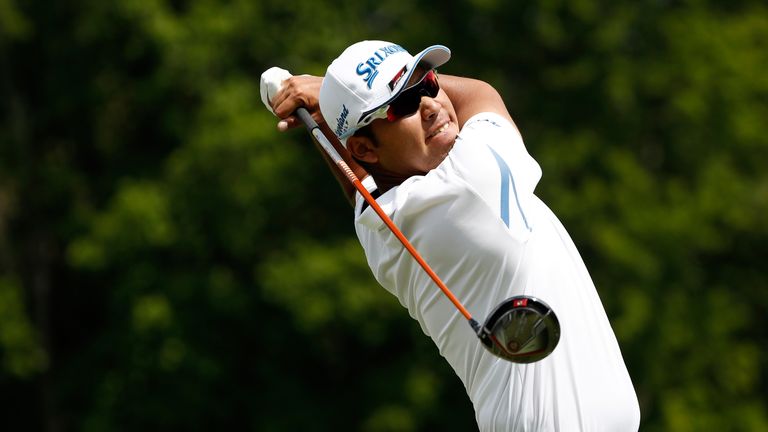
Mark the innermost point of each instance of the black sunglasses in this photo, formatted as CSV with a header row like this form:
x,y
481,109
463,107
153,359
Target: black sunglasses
x,y
407,102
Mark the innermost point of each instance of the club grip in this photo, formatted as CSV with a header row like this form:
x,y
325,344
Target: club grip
x,y
306,118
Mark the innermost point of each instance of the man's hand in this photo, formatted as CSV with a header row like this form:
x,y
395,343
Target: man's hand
x,y
282,93
271,83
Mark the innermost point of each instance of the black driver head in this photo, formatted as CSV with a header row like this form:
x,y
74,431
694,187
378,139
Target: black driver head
x,y
522,329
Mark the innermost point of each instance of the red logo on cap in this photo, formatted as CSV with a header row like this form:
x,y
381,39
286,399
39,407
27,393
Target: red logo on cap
x,y
396,79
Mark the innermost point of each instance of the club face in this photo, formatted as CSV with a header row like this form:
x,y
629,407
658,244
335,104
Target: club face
x,y
522,329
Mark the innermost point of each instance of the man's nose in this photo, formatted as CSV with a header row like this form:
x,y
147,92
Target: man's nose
x,y
429,108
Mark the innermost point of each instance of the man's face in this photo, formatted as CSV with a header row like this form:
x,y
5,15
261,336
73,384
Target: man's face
x,y
416,144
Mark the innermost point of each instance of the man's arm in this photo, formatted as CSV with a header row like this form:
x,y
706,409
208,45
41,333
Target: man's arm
x,y
470,96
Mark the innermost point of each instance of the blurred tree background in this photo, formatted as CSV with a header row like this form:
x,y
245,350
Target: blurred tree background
x,y
169,261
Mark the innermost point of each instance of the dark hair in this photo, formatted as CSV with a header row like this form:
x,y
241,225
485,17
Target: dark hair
x,y
367,132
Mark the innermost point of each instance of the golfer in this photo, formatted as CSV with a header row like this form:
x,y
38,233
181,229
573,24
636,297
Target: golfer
x,y
446,162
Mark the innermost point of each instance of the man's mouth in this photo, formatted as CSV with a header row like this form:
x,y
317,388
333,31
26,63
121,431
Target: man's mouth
x,y
440,129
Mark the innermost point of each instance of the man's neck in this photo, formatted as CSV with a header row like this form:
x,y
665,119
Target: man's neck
x,y
387,181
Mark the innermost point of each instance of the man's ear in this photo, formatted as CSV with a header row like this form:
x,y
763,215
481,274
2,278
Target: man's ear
x,y
362,148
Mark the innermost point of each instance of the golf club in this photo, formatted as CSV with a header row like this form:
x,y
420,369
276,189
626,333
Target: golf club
x,y
522,329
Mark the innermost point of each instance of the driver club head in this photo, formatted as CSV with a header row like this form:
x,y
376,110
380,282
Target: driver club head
x,y
522,329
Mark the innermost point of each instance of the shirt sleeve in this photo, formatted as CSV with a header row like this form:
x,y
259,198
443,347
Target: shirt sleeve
x,y
506,143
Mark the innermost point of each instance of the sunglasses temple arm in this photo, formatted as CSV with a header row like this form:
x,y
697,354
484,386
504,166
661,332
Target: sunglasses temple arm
x,y
314,129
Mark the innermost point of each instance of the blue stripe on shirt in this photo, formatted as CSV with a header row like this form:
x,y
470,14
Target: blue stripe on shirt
x,y
506,179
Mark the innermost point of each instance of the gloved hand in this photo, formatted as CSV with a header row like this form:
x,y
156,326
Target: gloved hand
x,y
271,82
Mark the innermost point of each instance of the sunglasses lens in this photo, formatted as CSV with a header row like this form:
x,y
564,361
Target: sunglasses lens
x,y
409,100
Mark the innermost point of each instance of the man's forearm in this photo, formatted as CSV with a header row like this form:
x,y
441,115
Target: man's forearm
x,y
470,96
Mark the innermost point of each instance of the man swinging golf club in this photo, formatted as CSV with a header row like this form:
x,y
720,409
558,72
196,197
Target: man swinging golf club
x,y
446,163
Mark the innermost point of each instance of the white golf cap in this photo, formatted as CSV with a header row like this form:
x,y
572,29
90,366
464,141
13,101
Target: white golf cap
x,y
367,76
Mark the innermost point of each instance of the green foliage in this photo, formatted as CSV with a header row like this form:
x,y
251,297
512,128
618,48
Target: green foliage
x,y
169,261
22,354
323,284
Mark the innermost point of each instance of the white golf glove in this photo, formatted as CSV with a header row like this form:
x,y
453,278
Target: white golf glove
x,y
271,82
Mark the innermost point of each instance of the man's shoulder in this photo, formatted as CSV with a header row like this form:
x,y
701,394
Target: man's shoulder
x,y
487,120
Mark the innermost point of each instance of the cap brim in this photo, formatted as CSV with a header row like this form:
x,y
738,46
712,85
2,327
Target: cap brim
x,y
432,57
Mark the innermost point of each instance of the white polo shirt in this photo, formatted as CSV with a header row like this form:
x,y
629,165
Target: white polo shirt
x,y
478,224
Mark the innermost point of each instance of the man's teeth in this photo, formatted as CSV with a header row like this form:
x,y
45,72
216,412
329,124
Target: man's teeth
x,y
442,128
